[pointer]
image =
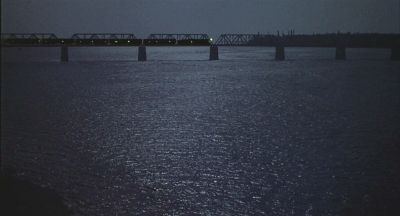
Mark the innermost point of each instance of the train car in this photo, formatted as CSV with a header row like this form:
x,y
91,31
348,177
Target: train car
x,y
159,42
50,41
125,42
66,41
194,42
104,42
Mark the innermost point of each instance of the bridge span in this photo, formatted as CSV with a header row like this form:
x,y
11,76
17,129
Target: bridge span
x,y
279,41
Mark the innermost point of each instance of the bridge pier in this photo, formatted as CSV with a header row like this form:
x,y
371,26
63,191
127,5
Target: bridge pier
x,y
340,52
279,53
395,56
142,56
64,53
214,53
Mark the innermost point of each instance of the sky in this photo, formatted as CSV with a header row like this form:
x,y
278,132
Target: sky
x,y
142,17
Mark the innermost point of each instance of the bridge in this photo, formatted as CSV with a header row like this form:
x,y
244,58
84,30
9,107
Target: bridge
x,y
279,41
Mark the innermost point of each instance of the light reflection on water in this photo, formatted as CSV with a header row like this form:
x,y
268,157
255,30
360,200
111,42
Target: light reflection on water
x,y
184,53
242,136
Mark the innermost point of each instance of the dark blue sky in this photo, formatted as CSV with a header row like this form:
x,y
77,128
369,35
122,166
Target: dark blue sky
x,y
142,17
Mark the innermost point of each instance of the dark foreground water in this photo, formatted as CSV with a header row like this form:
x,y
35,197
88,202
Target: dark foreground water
x,y
179,135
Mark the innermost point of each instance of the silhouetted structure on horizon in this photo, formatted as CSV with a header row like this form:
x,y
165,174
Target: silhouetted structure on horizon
x,y
338,40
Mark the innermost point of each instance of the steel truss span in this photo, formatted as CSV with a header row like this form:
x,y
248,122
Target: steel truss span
x,y
35,36
179,36
110,36
238,39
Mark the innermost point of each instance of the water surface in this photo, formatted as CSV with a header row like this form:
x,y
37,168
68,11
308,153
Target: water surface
x,y
180,135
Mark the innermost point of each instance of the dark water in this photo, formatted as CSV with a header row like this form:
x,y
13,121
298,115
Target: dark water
x,y
179,135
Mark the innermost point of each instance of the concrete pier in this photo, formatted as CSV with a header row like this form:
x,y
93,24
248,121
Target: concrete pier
x,y
279,53
142,55
214,53
64,53
395,55
340,52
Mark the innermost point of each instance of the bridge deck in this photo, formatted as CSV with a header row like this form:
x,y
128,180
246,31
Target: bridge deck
x,y
267,40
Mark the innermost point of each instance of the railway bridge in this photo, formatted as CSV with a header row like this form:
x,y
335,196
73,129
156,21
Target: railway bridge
x,y
279,41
